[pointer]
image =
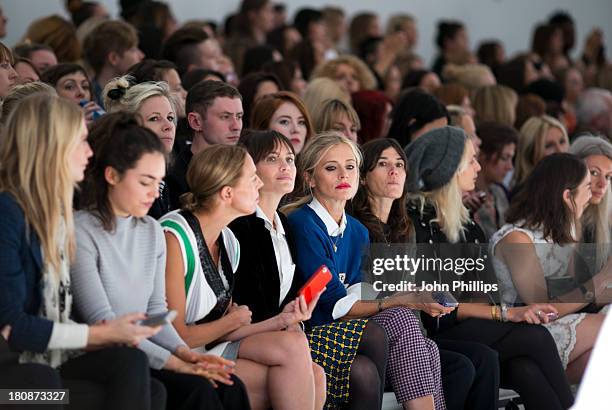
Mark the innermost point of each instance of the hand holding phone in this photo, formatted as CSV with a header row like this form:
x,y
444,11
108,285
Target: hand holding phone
x,y
161,319
315,284
444,298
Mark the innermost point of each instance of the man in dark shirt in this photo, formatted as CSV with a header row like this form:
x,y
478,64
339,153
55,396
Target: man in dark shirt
x,y
214,113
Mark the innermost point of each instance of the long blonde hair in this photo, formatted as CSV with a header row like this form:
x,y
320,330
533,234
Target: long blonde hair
x,y
596,218
451,214
311,156
530,147
40,134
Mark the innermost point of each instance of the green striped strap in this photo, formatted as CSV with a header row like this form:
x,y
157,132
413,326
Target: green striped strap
x,y
190,254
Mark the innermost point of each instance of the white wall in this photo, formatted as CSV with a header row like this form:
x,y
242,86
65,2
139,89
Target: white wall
x,y
511,21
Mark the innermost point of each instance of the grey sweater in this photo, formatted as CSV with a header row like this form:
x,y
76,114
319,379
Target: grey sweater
x,y
123,272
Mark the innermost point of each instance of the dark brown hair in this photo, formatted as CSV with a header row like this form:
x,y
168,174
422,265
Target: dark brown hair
x,y
181,47
150,70
118,142
495,137
53,74
109,36
203,95
360,206
539,203
259,144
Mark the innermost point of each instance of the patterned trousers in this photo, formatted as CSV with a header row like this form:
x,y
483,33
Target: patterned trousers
x,y
413,368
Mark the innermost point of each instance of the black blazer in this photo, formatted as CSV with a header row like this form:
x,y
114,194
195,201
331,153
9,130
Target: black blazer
x,y
257,280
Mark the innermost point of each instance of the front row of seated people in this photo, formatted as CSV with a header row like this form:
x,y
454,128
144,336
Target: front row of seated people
x,y
74,286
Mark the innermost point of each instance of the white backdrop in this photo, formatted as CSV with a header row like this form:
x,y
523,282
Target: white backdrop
x,y
511,21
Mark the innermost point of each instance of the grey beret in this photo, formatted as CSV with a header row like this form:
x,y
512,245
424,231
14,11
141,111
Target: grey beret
x,y
434,157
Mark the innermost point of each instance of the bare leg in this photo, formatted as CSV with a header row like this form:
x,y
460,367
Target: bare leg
x,y
586,335
421,403
290,381
255,378
320,381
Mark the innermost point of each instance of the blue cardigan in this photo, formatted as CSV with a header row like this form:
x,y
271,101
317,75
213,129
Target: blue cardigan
x,y
314,247
20,273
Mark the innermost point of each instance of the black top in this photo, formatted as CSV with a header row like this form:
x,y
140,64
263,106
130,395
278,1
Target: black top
x,y
428,232
176,177
161,205
257,280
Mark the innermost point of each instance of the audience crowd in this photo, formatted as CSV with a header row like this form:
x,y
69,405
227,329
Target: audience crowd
x,y
210,168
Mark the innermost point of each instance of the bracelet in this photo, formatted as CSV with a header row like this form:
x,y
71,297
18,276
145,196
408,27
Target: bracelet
x,y
380,305
493,312
504,312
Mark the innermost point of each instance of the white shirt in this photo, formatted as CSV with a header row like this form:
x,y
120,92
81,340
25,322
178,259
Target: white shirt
x,y
284,262
353,292
333,229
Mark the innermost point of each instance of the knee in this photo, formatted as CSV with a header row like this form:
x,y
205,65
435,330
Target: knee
x,y
294,345
404,320
364,374
536,336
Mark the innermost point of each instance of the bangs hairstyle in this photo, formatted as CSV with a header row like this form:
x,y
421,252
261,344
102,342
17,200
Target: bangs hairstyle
x,y
52,75
41,133
266,107
451,213
539,203
360,206
260,144
213,168
119,142
309,159
330,111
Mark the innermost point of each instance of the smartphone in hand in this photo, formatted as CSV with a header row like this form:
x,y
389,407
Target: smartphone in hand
x,y
161,319
444,298
315,284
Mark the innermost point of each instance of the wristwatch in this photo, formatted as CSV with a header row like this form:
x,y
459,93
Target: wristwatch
x,y
588,295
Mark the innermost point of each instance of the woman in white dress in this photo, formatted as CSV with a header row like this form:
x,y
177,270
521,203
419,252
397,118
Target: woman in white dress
x,y
203,255
534,250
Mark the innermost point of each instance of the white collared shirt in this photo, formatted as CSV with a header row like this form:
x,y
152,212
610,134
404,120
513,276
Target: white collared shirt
x,y
343,305
333,229
284,262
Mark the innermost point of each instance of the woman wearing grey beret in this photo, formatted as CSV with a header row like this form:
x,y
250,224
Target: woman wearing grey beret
x,y
442,165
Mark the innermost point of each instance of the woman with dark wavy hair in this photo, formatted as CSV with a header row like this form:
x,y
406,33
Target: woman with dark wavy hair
x,y
380,204
534,249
